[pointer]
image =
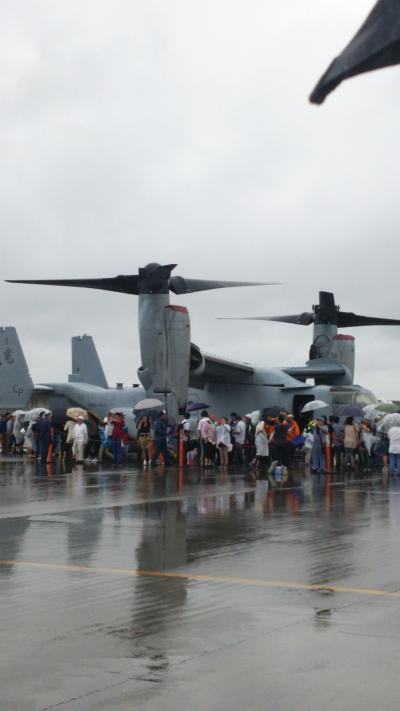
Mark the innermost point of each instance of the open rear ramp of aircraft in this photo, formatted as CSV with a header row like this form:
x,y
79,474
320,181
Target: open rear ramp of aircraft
x,y
16,385
86,366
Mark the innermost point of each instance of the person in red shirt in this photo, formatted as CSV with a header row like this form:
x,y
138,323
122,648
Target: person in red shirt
x,y
117,435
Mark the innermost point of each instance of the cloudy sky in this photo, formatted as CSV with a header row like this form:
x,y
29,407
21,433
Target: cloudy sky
x,y
181,132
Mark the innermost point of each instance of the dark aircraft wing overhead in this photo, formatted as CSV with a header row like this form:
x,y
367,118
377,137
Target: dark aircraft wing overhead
x,y
376,45
350,320
179,285
303,319
122,284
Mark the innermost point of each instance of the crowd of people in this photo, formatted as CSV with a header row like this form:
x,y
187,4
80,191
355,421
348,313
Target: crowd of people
x,y
270,444
279,442
72,439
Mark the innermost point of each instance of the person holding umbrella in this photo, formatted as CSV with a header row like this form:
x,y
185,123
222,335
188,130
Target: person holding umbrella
x,y
394,450
45,436
80,440
318,460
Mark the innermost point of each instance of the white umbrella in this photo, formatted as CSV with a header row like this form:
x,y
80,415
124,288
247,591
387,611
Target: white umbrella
x,y
391,420
254,416
148,404
74,412
33,415
314,405
372,411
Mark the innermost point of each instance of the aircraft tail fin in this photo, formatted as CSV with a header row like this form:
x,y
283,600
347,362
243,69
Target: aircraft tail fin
x,y
16,385
86,366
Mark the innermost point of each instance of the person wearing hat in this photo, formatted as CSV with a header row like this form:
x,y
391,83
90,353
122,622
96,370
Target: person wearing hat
x,y
80,440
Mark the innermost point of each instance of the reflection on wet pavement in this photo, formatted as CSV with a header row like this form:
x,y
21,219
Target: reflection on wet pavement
x,y
127,589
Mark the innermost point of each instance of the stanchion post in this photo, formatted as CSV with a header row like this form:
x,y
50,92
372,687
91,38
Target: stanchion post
x,y
181,452
328,453
50,454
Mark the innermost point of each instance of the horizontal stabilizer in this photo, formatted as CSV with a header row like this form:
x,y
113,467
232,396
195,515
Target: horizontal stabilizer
x,y
16,385
86,366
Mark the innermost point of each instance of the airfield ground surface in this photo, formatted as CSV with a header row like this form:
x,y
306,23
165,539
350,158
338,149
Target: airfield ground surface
x,y
131,590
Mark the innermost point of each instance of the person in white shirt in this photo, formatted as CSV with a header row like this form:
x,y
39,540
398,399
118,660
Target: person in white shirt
x,y
239,433
262,449
80,439
394,450
223,440
185,425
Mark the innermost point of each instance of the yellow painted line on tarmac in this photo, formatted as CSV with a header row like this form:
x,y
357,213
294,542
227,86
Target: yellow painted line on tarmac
x,y
227,579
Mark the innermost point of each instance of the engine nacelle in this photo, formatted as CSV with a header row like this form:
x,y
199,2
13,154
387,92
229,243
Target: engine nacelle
x,y
197,362
165,350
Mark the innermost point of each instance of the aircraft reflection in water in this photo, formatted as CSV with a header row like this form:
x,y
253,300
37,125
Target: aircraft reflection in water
x,y
178,371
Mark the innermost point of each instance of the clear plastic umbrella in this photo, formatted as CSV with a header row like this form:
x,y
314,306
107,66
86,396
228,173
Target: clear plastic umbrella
x,y
314,405
148,404
388,421
33,415
371,412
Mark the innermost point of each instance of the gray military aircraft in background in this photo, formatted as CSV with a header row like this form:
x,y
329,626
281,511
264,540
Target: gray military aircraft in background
x,y
179,372
86,386
168,357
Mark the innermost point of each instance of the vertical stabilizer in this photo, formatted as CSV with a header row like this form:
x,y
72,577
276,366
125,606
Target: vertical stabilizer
x,y
86,366
16,385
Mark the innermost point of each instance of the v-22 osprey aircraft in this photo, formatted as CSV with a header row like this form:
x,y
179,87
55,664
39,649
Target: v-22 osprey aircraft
x,y
179,372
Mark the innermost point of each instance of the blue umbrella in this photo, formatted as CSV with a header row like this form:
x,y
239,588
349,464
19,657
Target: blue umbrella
x,y
349,411
196,406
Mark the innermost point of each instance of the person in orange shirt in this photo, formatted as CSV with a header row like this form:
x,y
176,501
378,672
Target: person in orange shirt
x,y
293,432
294,429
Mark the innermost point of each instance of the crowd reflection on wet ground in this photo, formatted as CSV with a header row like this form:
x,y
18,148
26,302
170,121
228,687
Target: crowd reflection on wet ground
x,y
166,589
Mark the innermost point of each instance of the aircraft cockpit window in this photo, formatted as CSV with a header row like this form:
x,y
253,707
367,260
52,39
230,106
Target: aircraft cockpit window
x,y
364,399
342,398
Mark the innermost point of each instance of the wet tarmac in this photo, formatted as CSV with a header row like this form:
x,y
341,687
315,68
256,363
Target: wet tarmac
x,y
124,589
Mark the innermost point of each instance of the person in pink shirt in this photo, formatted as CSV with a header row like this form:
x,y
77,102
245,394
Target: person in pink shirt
x,y
206,432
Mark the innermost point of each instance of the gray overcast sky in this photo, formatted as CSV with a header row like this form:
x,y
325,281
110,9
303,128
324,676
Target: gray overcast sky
x,y
181,132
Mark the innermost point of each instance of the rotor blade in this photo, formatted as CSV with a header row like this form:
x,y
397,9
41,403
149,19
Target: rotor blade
x,y
179,285
376,45
122,284
304,319
326,311
350,320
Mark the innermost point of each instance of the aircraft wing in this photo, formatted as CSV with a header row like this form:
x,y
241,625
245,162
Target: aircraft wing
x,y
326,369
219,370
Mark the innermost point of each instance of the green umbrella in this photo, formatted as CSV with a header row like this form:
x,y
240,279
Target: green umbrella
x,y
387,407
